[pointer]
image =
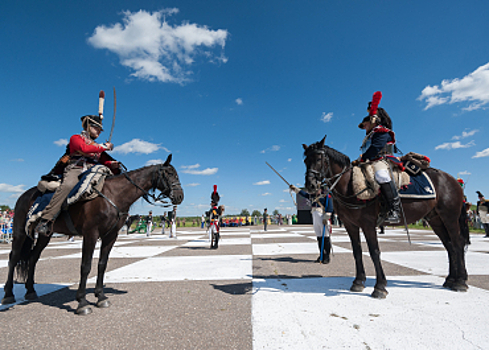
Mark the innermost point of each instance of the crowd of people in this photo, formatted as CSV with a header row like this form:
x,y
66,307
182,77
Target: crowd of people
x,y
6,221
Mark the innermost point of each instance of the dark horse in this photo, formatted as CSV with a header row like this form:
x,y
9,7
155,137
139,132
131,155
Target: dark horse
x,y
326,166
101,218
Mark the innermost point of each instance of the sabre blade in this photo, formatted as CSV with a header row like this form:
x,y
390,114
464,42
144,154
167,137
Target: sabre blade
x,y
113,118
276,172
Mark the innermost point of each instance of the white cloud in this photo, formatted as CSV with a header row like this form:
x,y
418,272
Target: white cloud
x,y
261,183
192,169
454,145
274,148
289,160
61,142
266,194
484,153
156,50
473,88
11,188
326,117
154,162
465,134
17,160
239,101
138,146
194,184
465,173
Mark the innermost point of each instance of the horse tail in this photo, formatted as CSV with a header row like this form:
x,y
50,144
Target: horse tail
x,y
22,267
463,222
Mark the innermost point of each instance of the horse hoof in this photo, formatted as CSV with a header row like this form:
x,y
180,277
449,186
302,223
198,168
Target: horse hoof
x,y
8,300
102,304
31,296
379,294
85,310
357,288
456,287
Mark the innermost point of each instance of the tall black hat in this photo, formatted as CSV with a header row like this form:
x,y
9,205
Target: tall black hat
x,y
96,120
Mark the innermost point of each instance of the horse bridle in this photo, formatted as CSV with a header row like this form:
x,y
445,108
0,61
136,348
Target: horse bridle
x,y
157,175
322,177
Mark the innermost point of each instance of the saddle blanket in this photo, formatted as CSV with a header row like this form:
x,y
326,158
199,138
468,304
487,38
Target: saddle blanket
x,y
91,180
420,187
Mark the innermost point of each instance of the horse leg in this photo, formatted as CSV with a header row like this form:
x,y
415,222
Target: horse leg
x,y
360,278
457,274
105,249
14,258
41,243
89,242
380,291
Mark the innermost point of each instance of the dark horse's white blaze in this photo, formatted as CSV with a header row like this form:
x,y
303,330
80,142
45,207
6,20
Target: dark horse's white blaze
x,y
445,214
96,219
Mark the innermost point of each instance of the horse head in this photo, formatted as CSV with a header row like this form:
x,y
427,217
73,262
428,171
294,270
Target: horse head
x,y
167,181
322,162
314,161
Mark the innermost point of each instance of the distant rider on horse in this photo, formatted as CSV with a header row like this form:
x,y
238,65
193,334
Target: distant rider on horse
x,y
82,153
377,148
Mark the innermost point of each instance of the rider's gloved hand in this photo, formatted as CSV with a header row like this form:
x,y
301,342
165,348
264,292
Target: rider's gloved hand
x,y
108,146
295,189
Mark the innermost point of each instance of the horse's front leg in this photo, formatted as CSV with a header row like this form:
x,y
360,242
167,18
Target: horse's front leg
x,y
380,290
89,242
360,278
107,244
41,243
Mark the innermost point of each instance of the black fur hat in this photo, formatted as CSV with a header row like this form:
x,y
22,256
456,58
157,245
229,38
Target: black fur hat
x,y
94,120
479,194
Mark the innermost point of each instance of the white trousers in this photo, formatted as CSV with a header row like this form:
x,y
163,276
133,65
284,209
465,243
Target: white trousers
x,y
317,223
382,172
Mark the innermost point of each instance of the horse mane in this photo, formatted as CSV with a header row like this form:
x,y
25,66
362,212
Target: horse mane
x,y
334,155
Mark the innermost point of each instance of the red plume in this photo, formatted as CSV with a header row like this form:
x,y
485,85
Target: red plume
x,y
215,188
101,94
375,102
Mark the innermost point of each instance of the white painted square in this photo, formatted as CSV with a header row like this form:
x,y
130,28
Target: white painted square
x,y
41,289
321,313
180,268
436,262
125,252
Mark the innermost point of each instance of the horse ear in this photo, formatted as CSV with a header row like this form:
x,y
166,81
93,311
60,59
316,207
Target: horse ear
x,y
305,146
322,141
168,160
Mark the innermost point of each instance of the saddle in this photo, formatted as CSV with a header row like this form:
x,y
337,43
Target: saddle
x,y
364,180
413,182
88,188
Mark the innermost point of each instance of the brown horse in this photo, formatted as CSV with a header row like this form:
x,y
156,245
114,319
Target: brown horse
x,y
332,169
101,218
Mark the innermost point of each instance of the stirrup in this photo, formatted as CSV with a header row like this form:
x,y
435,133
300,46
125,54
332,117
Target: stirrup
x,y
43,228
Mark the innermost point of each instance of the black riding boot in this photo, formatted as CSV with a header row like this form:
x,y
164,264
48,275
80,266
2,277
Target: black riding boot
x,y
326,250
391,196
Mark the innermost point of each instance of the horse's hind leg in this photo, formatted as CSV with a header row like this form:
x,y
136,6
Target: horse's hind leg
x,y
14,258
105,249
360,278
41,243
454,244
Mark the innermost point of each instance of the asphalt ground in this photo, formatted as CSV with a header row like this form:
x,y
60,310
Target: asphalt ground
x,y
258,290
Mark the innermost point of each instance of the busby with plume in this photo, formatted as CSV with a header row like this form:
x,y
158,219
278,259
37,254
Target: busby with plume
x,y
95,120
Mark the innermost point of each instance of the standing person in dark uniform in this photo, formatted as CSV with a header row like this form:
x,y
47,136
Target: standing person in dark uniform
x,y
321,211
82,153
377,148
483,212
265,219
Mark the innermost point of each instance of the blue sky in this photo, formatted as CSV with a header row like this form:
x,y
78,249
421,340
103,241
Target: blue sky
x,y
226,85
